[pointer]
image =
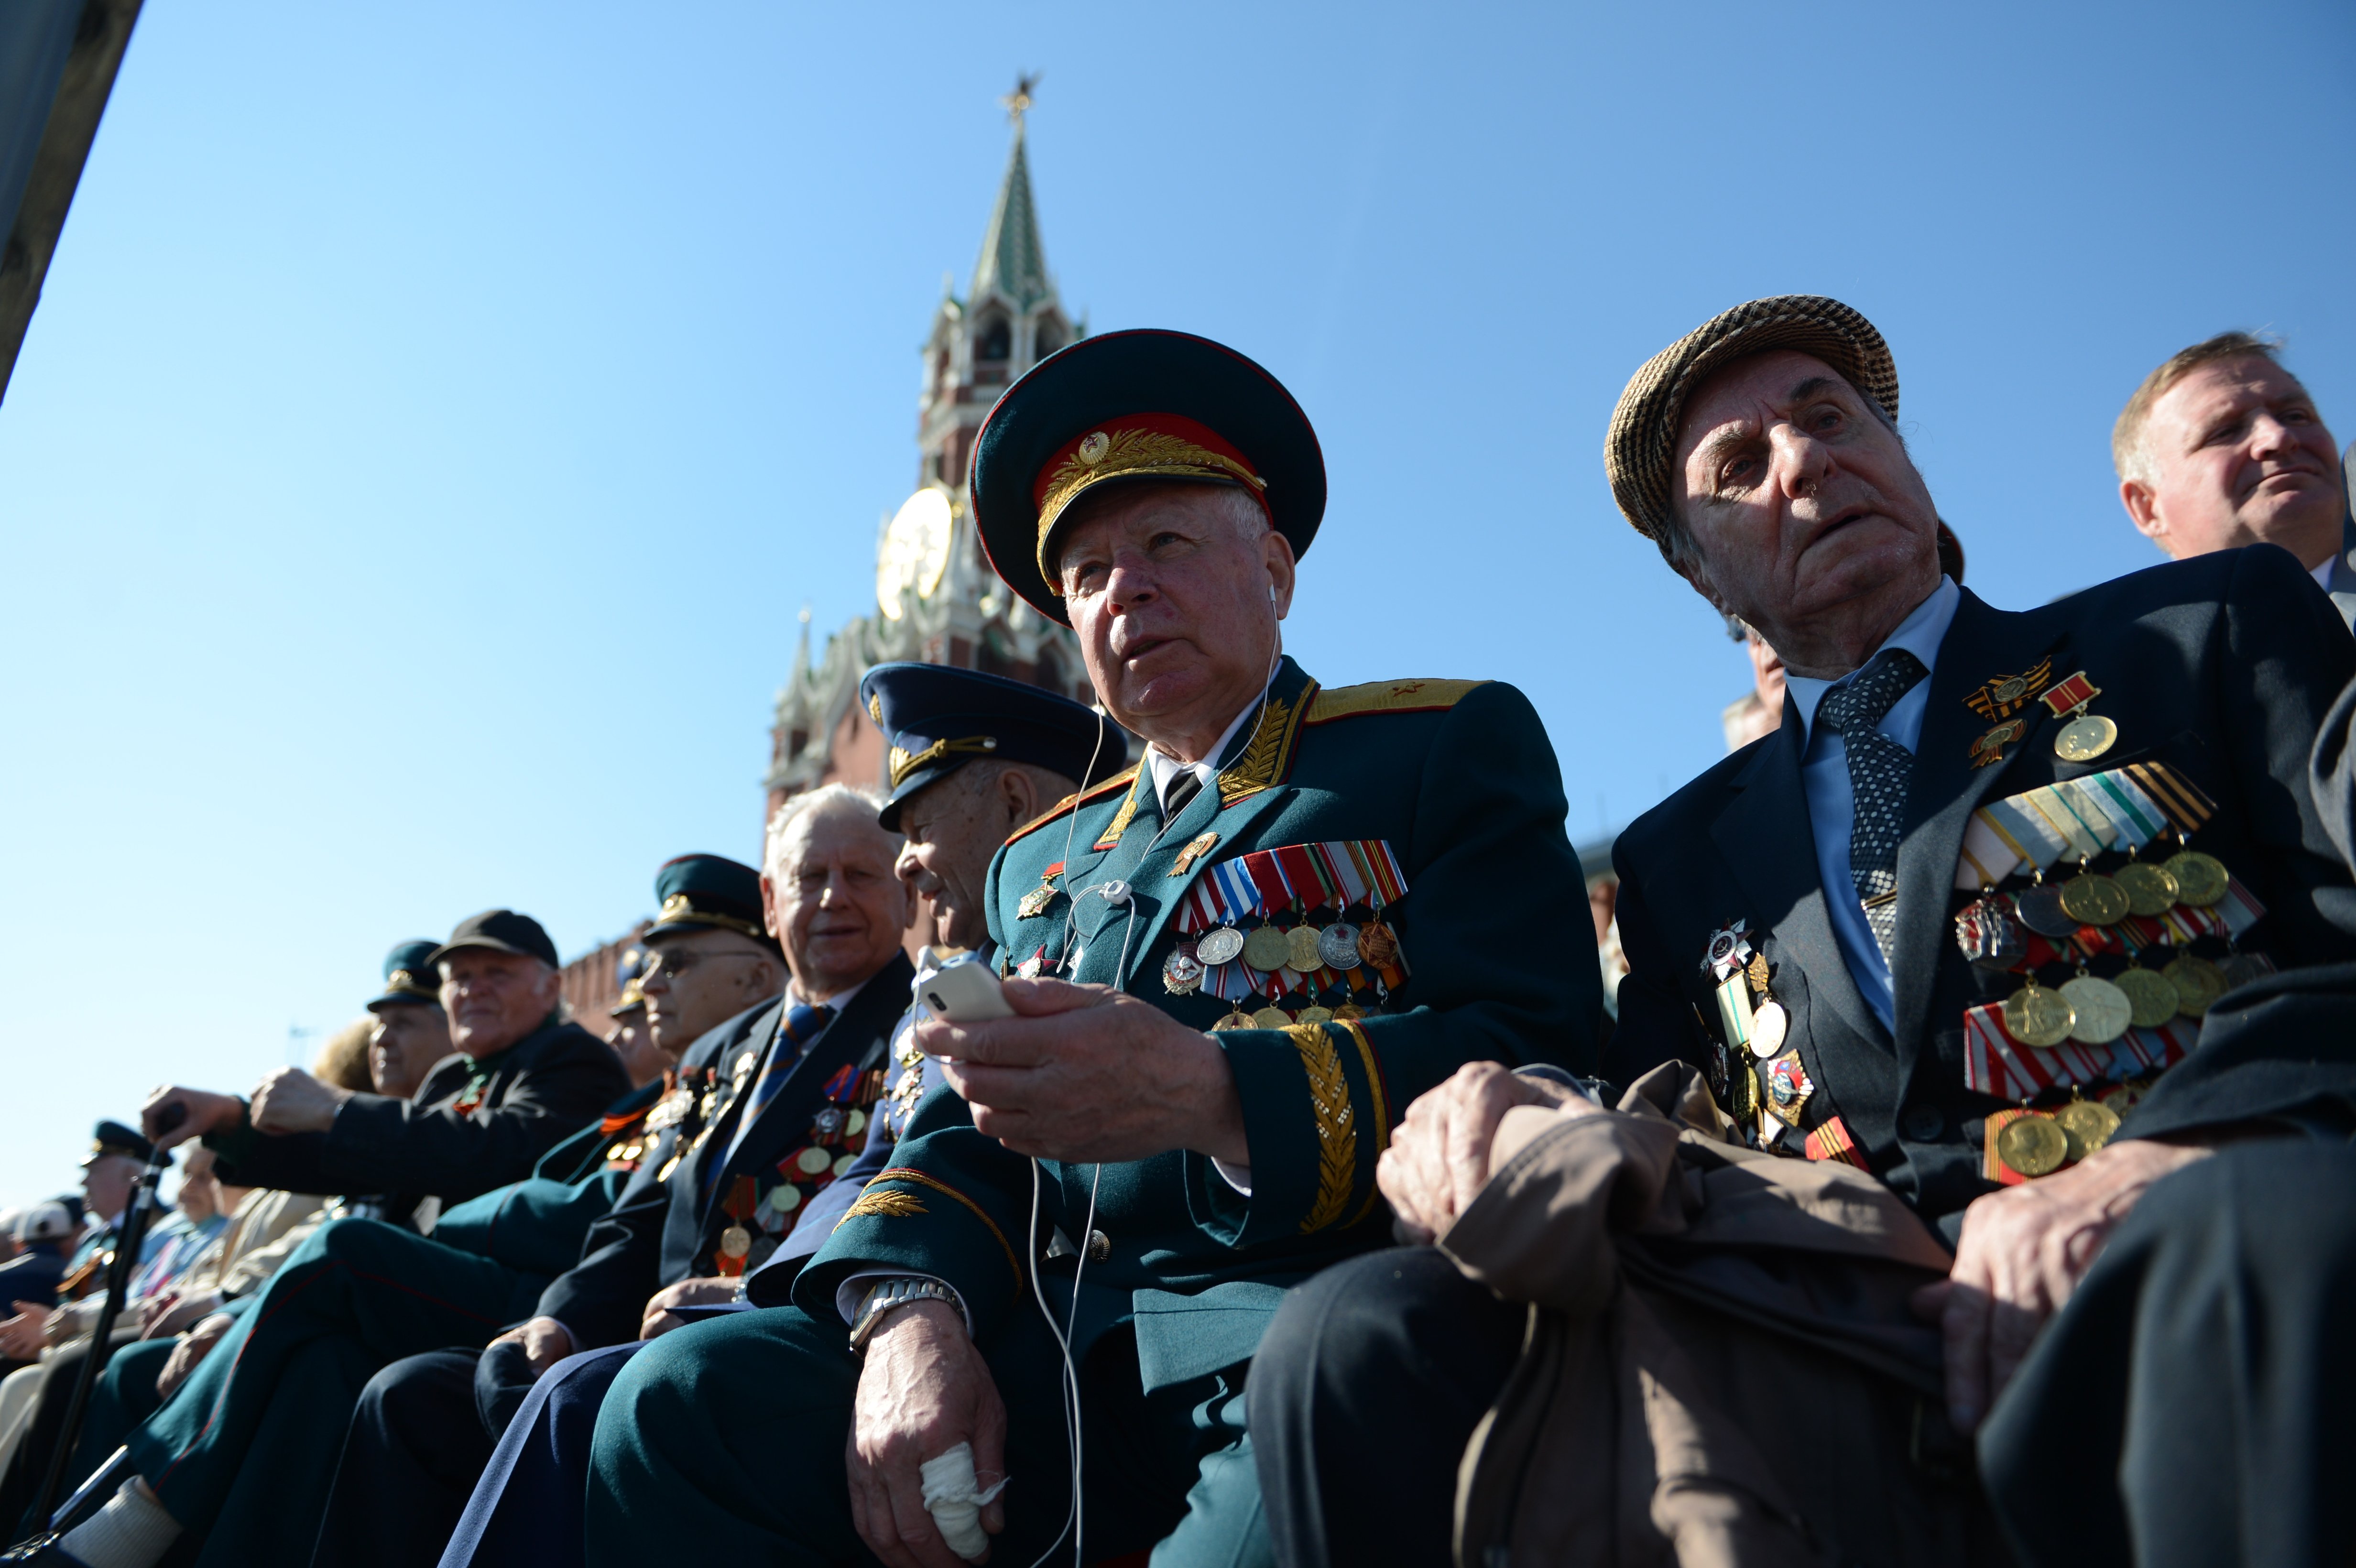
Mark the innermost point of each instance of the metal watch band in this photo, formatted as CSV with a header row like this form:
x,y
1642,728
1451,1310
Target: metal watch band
x,y
892,1293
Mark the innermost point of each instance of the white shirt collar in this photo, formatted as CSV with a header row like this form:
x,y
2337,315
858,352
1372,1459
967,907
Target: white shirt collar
x,y
1920,634
1165,768
2322,574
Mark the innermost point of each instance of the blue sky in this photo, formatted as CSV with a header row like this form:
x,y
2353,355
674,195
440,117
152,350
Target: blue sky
x,y
437,413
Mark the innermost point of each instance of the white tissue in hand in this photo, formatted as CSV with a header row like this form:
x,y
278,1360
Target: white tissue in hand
x,y
950,1495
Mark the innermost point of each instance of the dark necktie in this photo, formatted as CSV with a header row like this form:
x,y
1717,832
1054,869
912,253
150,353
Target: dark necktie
x,y
1879,768
803,1024
1182,790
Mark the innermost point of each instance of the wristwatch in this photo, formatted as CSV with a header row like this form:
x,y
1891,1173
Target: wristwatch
x,y
885,1295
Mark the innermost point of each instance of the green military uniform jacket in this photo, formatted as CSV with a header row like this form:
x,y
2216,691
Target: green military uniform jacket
x,y
1459,779
537,1225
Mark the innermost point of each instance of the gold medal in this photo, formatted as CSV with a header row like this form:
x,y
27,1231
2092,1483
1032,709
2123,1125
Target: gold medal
x,y
1769,1025
1236,1019
2200,879
2149,889
2085,738
2092,898
1272,1017
2032,1145
735,1241
2123,1099
2089,1122
2198,983
2151,1000
2035,1016
1377,944
1266,950
1347,1011
2103,1011
1313,1016
1300,950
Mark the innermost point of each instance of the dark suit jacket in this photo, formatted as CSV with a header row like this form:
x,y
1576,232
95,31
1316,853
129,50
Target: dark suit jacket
x,y
541,1090
2222,665
661,1230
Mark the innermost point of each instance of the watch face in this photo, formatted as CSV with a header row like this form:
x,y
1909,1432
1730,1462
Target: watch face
x,y
915,551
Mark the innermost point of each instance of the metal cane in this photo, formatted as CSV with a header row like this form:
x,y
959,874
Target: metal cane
x,y
118,1285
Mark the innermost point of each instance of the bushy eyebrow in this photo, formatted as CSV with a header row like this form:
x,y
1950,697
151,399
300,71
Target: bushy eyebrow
x,y
1807,387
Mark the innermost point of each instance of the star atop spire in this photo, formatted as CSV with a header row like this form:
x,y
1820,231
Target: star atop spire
x,y
1026,82
1012,259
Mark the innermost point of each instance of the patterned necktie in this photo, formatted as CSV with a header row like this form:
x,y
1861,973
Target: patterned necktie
x,y
803,1024
1877,771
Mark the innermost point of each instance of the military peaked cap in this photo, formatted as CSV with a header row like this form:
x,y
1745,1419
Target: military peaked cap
x,y
708,892
113,1138
938,719
409,977
1127,406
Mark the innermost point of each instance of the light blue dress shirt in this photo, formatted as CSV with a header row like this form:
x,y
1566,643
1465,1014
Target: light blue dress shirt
x,y
1832,805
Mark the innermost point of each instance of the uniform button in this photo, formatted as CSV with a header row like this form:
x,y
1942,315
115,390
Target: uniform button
x,y
1922,1123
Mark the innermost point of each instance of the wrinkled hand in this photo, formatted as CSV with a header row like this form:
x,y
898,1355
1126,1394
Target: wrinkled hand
x,y
21,1336
194,1347
661,1320
925,1388
1437,1160
2024,1251
545,1343
289,1100
170,1313
1089,1073
204,1110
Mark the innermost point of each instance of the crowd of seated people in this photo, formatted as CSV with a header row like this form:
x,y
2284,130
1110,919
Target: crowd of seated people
x,y
1248,1172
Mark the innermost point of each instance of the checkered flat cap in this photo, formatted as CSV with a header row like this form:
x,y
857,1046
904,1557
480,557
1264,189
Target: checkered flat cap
x,y
1640,453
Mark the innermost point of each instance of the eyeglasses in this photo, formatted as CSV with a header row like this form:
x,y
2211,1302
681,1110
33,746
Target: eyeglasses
x,y
675,963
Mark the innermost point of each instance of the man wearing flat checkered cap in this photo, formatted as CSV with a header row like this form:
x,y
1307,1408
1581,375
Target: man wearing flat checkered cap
x,y
1928,941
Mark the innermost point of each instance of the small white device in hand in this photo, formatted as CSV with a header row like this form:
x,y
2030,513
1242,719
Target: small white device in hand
x,y
965,993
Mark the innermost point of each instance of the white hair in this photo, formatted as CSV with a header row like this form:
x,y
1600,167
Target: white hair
x,y
861,800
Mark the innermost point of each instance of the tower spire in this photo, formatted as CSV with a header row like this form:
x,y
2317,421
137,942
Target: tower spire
x,y
1014,261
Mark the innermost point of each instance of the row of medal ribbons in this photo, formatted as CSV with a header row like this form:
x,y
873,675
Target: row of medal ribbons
x,y
1215,954
2091,1029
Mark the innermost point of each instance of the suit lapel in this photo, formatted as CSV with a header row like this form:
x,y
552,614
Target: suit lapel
x,y
846,1037
1945,789
1765,836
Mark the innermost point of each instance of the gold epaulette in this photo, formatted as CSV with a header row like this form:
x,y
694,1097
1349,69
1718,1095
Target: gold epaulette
x,y
1120,780
1388,697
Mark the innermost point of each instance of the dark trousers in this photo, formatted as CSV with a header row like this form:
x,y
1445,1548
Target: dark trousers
x,y
1366,1390
729,1434
2196,1401
526,1509
244,1452
124,1393
411,1456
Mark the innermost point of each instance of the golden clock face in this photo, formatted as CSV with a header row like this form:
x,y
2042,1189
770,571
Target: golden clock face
x,y
915,553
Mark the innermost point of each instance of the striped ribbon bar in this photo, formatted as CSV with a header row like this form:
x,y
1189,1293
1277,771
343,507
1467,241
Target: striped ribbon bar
x,y
2122,808
1994,1063
1336,874
1832,1141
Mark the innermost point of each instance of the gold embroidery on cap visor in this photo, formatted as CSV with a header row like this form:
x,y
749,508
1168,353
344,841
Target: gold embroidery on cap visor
x,y
905,763
1127,454
400,982
677,909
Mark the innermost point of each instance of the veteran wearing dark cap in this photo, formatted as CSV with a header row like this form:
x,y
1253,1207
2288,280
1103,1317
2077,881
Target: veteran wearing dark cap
x,y
411,1033
1229,966
236,1454
973,756
1929,941
629,1034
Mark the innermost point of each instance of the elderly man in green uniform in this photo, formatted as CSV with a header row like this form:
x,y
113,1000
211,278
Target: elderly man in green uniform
x,y
1229,969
